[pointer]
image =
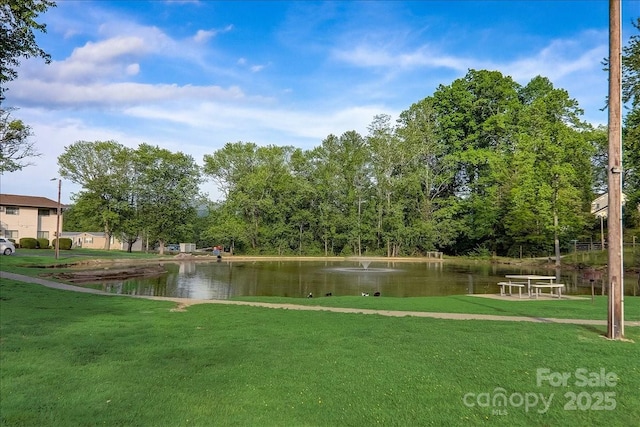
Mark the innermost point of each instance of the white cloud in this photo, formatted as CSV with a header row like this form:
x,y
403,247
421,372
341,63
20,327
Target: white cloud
x,y
107,50
105,60
62,94
95,74
133,69
236,121
562,58
155,40
203,36
573,64
243,62
367,56
557,59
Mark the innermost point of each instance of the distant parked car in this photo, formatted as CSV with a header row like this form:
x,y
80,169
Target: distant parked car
x,y
173,248
6,246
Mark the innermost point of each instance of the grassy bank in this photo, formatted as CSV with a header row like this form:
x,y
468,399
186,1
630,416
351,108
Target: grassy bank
x,y
599,259
35,262
76,359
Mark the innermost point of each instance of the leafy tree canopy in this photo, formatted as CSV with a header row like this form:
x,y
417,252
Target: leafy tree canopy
x,y
17,39
15,147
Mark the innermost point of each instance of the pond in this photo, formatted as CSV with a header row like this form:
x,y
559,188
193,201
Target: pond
x,y
224,280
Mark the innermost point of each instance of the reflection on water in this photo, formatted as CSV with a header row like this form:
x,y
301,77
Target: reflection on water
x,y
223,280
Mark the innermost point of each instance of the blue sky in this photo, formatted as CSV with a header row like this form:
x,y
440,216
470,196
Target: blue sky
x,y
191,76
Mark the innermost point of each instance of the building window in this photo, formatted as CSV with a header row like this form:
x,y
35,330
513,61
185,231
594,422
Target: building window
x,y
12,210
44,212
43,234
11,234
88,239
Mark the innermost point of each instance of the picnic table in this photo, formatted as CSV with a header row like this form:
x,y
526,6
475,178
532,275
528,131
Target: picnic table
x,y
526,279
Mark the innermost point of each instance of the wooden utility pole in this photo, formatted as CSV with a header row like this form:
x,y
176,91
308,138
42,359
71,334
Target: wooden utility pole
x,y
615,319
58,220
602,246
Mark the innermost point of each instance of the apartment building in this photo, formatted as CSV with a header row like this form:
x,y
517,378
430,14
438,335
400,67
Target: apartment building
x,y
28,216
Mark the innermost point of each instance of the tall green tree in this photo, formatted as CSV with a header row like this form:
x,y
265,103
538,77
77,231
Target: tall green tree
x,y
80,216
305,201
426,180
102,169
223,226
598,138
228,168
552,176
257,183
631,129
16,149
18,21
147,191
166,192
323,170
356,201
476,122
387,159
347,178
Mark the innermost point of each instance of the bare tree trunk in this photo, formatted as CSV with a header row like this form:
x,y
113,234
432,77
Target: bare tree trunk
x,y
556,239
107,235
300,239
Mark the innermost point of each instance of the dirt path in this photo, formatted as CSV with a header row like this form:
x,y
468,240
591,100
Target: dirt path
x,y
183,303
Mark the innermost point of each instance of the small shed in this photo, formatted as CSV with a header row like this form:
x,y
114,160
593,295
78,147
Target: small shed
x,y
187,247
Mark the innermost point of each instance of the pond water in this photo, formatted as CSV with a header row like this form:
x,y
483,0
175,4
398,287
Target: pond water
x,y
224,280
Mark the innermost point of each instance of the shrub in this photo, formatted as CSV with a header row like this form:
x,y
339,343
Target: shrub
x,y
43,243
28,243
65,243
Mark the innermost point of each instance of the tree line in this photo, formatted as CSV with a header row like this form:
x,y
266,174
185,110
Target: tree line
x,y
484,165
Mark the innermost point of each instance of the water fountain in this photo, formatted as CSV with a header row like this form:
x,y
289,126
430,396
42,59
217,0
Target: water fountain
x,y
365,263
364,266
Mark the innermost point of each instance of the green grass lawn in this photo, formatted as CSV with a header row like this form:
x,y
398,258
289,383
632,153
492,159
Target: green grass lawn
x,y
46,257
582,308
34,262
76,359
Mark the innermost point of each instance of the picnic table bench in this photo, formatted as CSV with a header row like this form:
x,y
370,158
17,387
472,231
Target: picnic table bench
x,y
557,287
504,285
529,280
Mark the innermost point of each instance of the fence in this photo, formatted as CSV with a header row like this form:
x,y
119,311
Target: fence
x,y
593,246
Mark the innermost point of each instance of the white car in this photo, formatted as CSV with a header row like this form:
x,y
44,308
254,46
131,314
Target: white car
x,y
6,246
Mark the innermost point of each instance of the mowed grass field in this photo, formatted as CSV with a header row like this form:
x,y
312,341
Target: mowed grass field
x,y
545,307
71,359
